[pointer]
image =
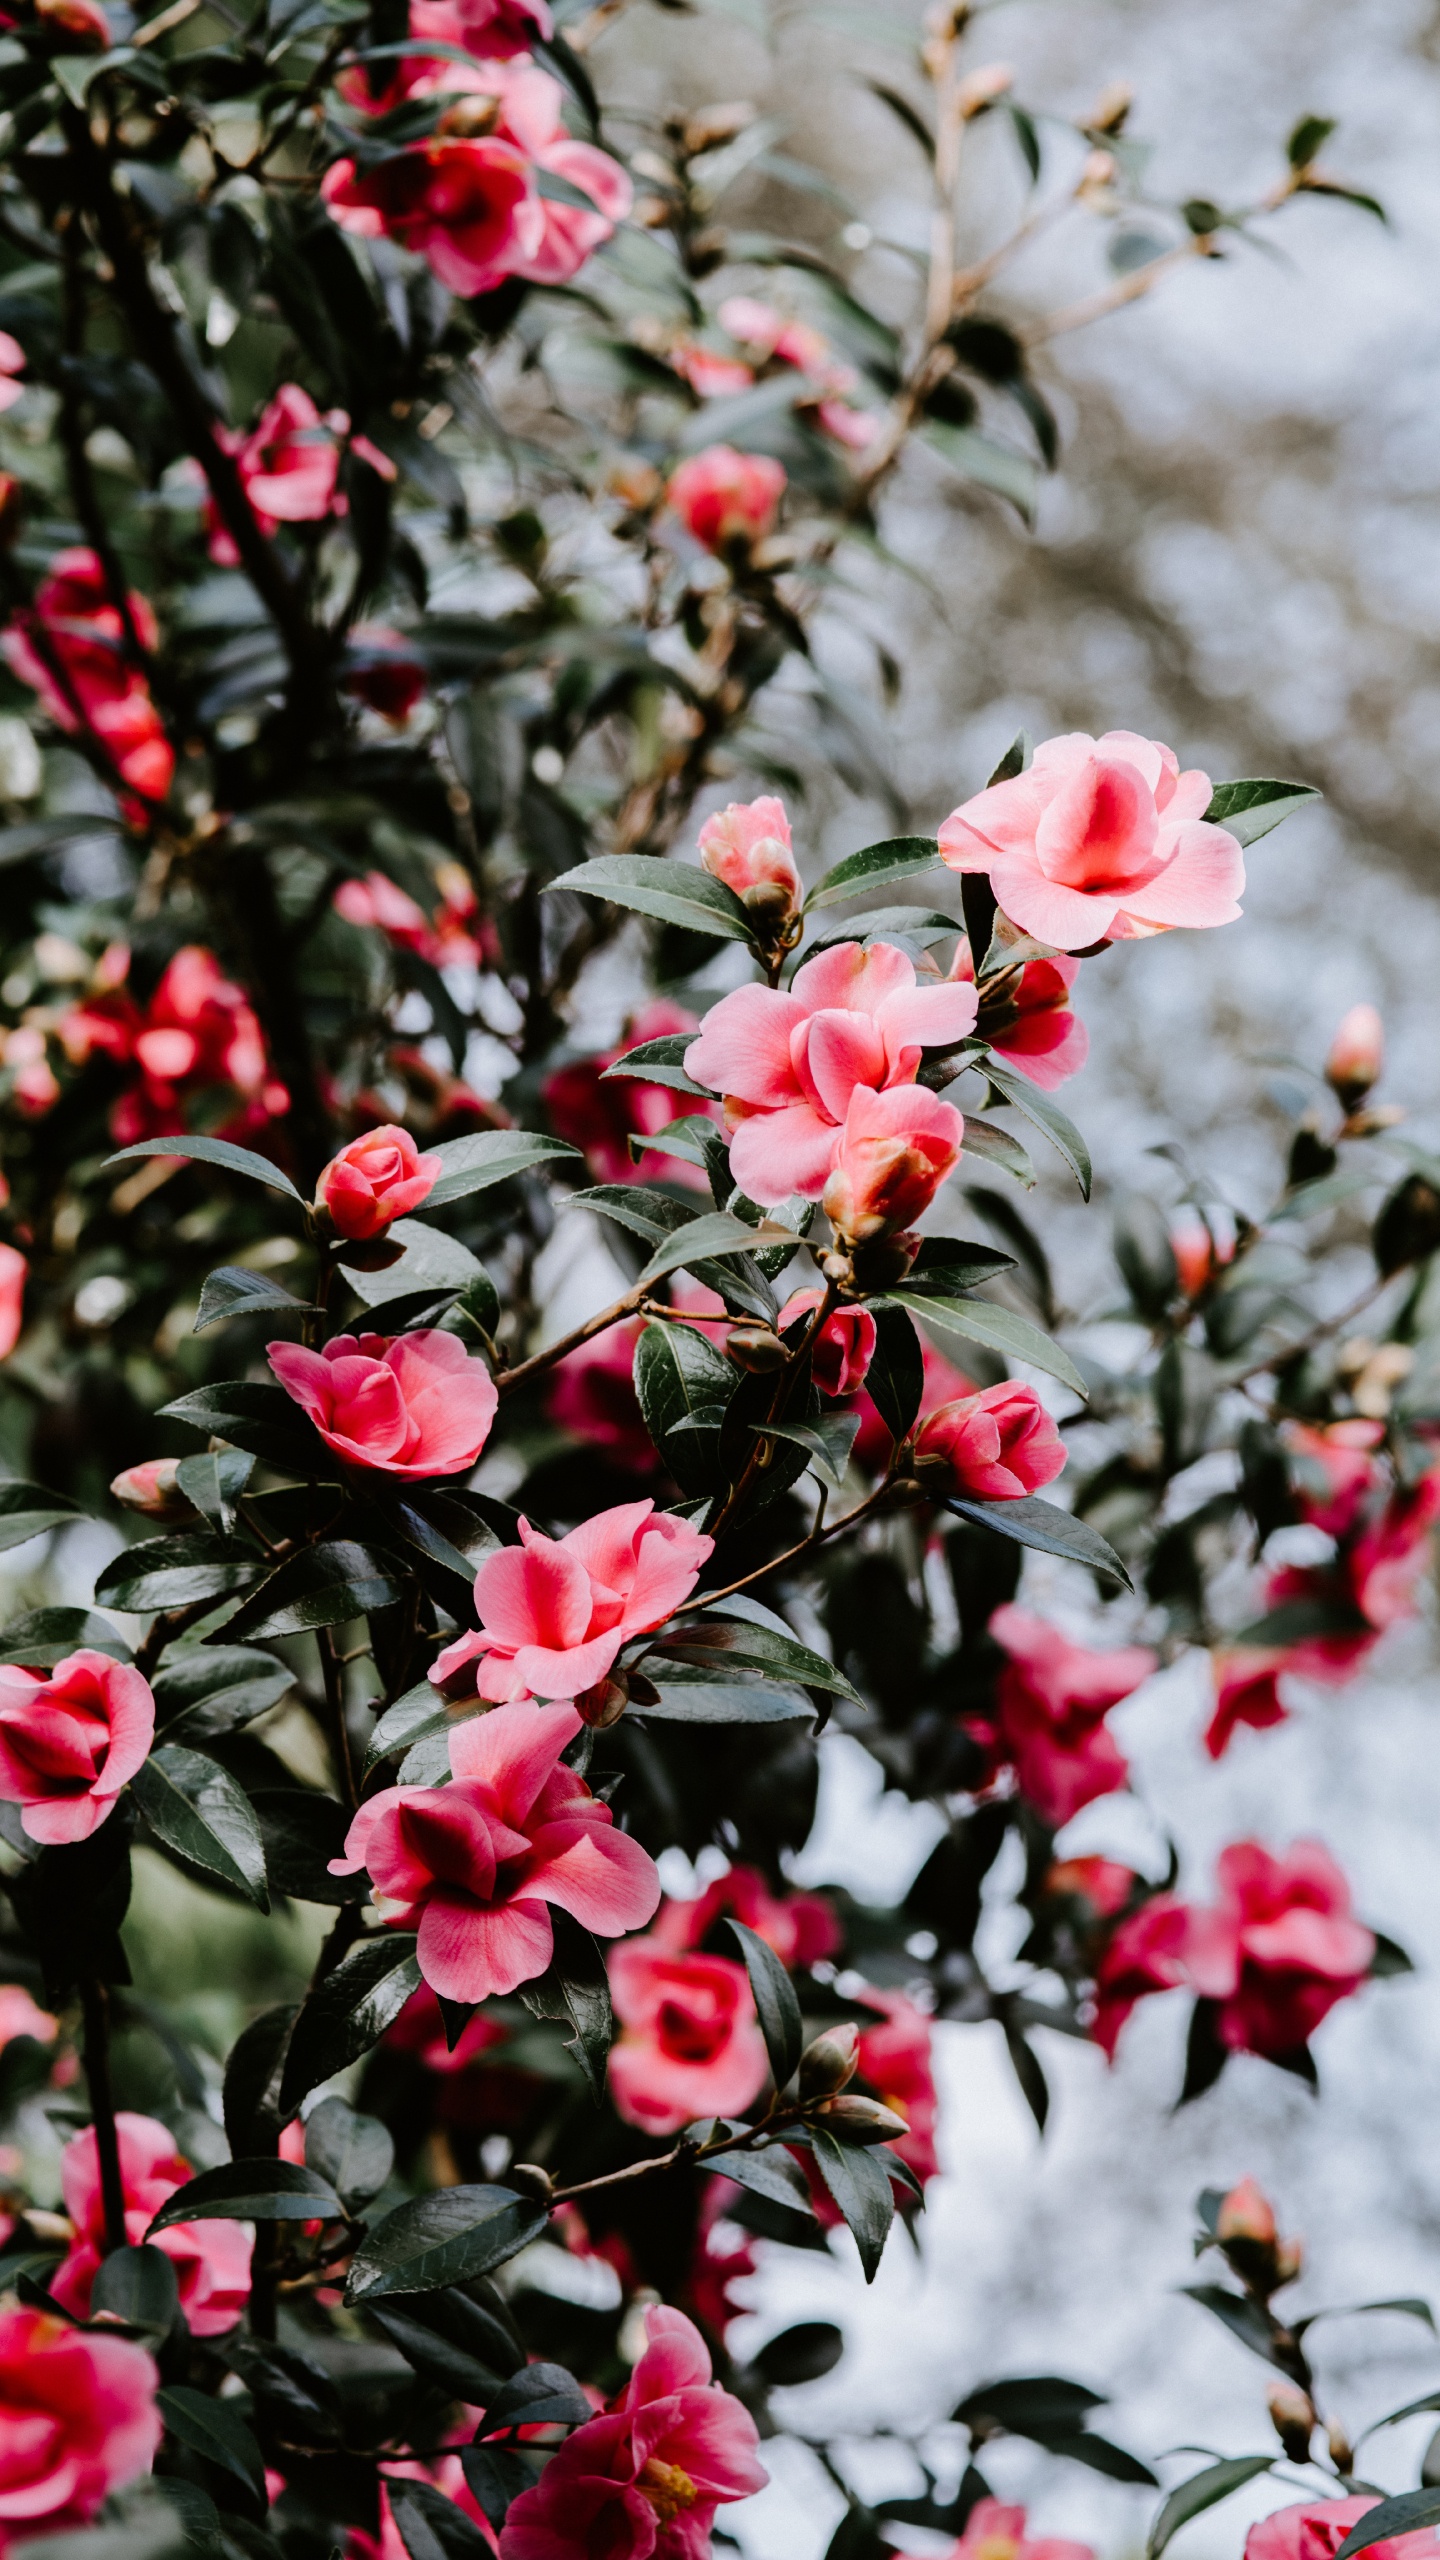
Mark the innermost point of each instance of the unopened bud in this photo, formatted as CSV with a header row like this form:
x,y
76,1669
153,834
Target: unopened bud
x,y
838,1267
605,1704
1111,108
1341,2451
885,1260
982,89
531,2179
636,482
828,2062
863,2115
1247,2214
151,1488
1356,1058
1293,2419
756,1348
768,898
1289,2259
710,126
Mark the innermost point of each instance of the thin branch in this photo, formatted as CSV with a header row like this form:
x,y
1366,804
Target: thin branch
x,y
631,1304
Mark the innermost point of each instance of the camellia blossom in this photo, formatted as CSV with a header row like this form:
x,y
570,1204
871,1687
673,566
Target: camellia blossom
x,y
554,1612
211,2258
452,933
895,2062
1101,839
414,1405
944,1384
1033,1027
1355,1059
1246,1681
893,1153
1374,1581
70,1739
1149,1951
375,1180
289,465
997,1444
71,649
788,1064
468,207
689,2042
77,2419
198,1034
152,1487
12,361
747,845
647,2475
1283,1947
1334,1469
844,1346
487,27
14,1272
994,2531
1051,1701
475,1865
723,497
382,669
801,1927
1315,2533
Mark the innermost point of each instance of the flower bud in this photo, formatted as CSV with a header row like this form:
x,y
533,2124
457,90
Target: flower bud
x,y
1111,108
1292,2417
531,2179
756,1348
983,88
1356,1059
879,1265
829,2061
708,127
863,2115
1247,2214
1341,2451
605,1704
151,1488
747,846
895,1150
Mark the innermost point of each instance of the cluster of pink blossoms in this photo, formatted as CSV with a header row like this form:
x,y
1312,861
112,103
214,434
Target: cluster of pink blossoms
x,y
73,648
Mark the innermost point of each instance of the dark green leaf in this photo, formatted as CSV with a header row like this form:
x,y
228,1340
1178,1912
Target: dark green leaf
x,y
173,1573
255,1416
713,1238
459,2338
495,2476
445,2238
44,1636
1043,1525
139,2287
28,1510
978,1321
210,1151
915,925
215,2429
895,1379
417,1716
993,1145
576,1988
1309,136
250,2191
776,2006
430,2524
1203,2489
231,1291
206,1692
347,2014
1026,2401
1097,2453
1248,810
1038,1107
656,1217
353,2153
677,892
801,2354
252,2076
196,1809
828,1442
724,1643
686,1696
476,1163
875,866
1405,2514
429,1264
302,1831
678,1375
213,1480
539,2395
323,1586
1243,2317
861,2188
660,1062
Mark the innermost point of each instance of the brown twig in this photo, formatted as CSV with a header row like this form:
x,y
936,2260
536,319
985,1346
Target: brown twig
x,y
629,1305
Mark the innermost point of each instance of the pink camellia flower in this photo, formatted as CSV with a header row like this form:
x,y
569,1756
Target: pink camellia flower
x,y
1282,1948
289,465
994,2531
554,1612
77,2419
198,1034
420,2029
788,1064
689,2042
1101,839
211,2259
1051,1701
711,376
475,1865
22,2016
895,2063
1355,1059
487,28
600,1114
70,1739
646,2476
1199,1255
747,845
14,1272
375,1180
1374,1578
592,1396
894,1151
152,1488
844,1347
102,690
944,1384
382,669
469,207
997,1444
1334,1469
12,361
1150,1951
723,497
1316,2533
1035,1030
801,1927
414,1405
1246,1681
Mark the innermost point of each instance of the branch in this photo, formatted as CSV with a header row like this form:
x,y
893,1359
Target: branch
x,y
631,1304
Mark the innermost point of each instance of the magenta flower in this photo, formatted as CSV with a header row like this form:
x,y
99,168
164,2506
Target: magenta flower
x,y
722,496
554,1612
475,1865
1051,1701
844,1346
647,2475
417,1405
994,2531
77,2419
1102,839
70,1741
788,1065
1283,1947
1036,1029
379,1177
689,2045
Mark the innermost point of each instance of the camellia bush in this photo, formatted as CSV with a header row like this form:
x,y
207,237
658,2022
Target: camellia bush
x,y
422,501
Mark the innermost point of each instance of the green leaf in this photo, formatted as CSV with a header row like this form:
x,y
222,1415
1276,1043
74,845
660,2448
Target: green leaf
x,y
1245,2318
173,1573
713,1238
1046,1527
773,2173
1248,810
657,1217
911,118
210,1151
1203,2489
895,1379
860,2186
353,2153
776,2006
678,1375
250,2092
255,1416
231,1291
696,1697
495,2477
726,1643
829,1442
1405,2514
429,1261
430,2524
576,1988
689,1140
195,1808
1023,2402
875,866
213,1480
996,1146
977,1321
660,1062
993,466
250,2191
28,1510
139,2287
448,2237
347,2014
1038,1107
44,1636
477,1162
539,2395
323,1586
302,1832
215,2429
1309,136
203,1693
460,2340
951,1266
421,1712
676,892
921,925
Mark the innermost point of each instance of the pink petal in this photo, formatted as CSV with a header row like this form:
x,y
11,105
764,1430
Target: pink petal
x,y
551,1673
926,1018
603,1878
776,1153
512,1751
606,1545
744,1047
467,1954
1067,918
536,1593
1201,883
842,1050
1005,816
850,978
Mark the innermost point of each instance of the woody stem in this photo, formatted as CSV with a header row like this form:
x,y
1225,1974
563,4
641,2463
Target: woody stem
x,y
95,2003
629,1305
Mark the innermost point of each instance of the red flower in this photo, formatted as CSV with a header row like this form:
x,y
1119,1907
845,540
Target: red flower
x,y
1051,1701
600,1114
844,1347
997,1445
554,1612
70,1739
1246,1692
895,2060
289,465
1284,1946
1316,2533
14,1272
470,208
382,669
418,1405
1149,1951
1034,1029
689,2044
375,1180
77,2419
487,28
420,2029
197,1034
1101,1882
1334,1469
75,625
1373,1579
801,1927
475,1865
592,1396
723,497
997,2532
211,2259
649,2474
450,934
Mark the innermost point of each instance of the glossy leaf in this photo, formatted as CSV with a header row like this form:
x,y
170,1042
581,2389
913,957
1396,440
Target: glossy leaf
x,y
539,2395
231,1291
194,1807
43,1637
205,1692
737,1644
347,2013
478,1162
1046,1115
1203,2489
895,1379
676,892
218,1151
1248,810
353,2153
876,866
138,2286
660,1061
258,1417
216,2430
978,1321
679,1375
250,2191
1033,1522
460,2338
1405,2514
859,2185
323,1586
174,1572
576,1989
713,1238
828,1443
447,2237
28,1510
212,1481
776,2006
431,2526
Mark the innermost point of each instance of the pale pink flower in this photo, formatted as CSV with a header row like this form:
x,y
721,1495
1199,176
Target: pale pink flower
x,y
414,1405
994,2531
22,2016
1356,1056
153,1488
747,845
1316,2532
895,1150
554,1612
12,361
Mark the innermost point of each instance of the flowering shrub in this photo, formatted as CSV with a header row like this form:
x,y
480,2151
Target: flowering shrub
x,y
517,1439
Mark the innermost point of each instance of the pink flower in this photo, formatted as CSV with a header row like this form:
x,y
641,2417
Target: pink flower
x,y
70,1739
14,1272
710,375
420,2029
747,845
844,1347
1197,1255
1355,1059
723,497
289,465
211,2259
77,2419
1334,1470
689,2043
475,1865
22,2016
600,1114
1100,840
82,22
530,117
997,1444
375,1180
554,1612
487,27
445,2473
788,1065
197,1033
895,2063
997,2532
1374,1577
944,1384
801,1927
469,207
895,1150
382,669
1150,1951
1101,1882
1285,1946
417,1405
648,2475
1316,2533
1051,1701
1246,1692
12,361
1034,1028
152,1488
592,1396
103,692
